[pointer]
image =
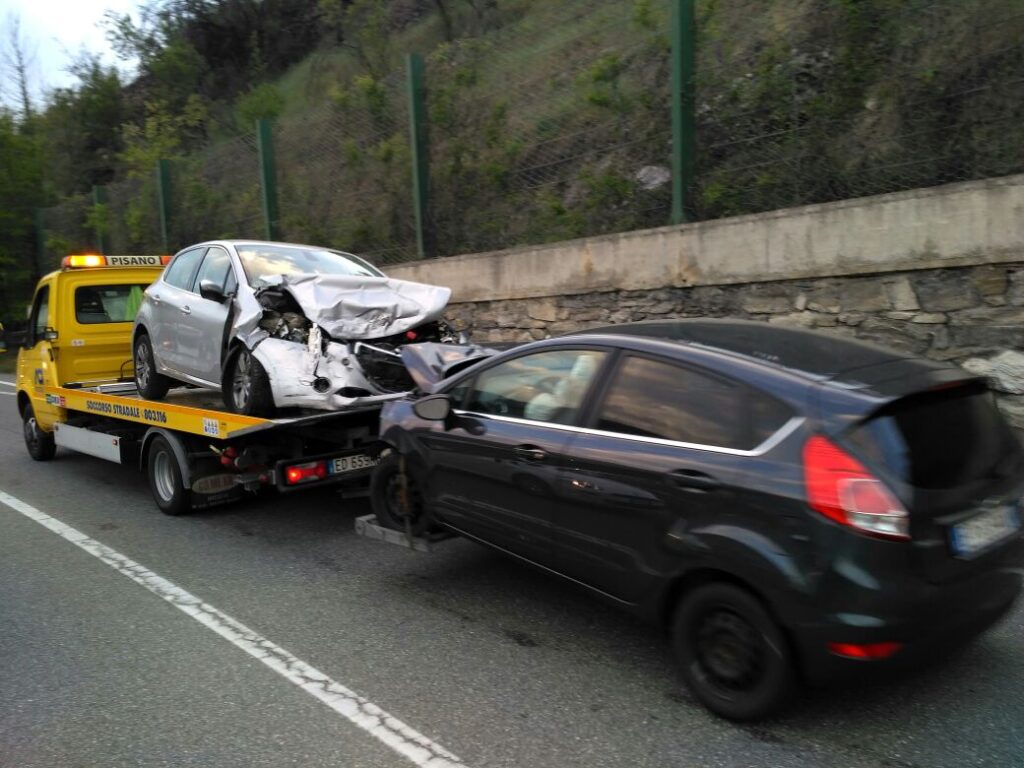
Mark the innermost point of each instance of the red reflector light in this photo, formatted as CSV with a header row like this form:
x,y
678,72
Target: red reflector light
x,y
305,473
411,335
165,260
865,651
842,489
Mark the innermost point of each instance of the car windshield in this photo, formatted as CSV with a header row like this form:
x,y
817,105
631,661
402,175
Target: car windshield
x,y
262,261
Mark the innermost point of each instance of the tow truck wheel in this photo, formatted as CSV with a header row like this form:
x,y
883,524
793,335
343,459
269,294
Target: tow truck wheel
x,y
41,445
164,477
150,384
396,497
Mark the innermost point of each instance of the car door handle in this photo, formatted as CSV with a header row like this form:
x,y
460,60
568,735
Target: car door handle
x,y
186,310
692,480
530,453
155,298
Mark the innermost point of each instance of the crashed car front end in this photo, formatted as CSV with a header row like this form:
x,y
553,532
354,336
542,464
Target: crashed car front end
x,y
330,341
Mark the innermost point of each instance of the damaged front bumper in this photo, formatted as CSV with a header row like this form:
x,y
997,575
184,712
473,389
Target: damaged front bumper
x,y
329,380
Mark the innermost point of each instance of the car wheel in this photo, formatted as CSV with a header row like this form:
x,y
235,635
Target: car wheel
x,y
150,384
732,653
397,499
40,444
247,386
164,476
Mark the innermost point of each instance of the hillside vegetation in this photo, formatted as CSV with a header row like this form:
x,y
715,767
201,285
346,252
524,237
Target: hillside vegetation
x,y
547,120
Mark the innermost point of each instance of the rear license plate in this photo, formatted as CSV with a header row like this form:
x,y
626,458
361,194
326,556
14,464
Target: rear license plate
x,y
344,464
983,530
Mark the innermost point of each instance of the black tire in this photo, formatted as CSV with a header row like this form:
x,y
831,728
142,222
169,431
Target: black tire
x,y
164,476
732,653
386,497
150,384
247,386
41,445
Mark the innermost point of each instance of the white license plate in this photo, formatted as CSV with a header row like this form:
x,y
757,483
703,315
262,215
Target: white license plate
x,y
985,529
343,464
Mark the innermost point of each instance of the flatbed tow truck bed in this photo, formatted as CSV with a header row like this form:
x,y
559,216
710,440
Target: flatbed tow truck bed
x,y
197,454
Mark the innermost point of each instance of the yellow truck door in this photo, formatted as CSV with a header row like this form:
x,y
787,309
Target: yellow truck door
x,y
37,360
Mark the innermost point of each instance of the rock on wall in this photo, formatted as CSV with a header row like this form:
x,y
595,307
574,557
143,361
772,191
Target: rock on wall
x,y
973,316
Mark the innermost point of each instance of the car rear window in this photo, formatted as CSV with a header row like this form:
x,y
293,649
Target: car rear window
x,y
107,303
940,439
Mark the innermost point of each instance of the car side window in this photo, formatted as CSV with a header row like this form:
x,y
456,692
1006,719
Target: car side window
x,y
179,272
40,318
663,400
216,267
546,386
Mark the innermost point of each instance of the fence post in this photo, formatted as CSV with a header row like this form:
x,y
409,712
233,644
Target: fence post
x,y
420,160
40,254
268,176
163,198
684,130
101,223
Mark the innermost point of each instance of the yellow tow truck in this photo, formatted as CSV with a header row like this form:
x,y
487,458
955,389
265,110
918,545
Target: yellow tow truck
x,y
75,390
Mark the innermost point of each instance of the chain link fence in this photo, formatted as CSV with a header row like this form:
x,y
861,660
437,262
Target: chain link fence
x,y
537,137
343,172
132,217
557,125
216,194
67,229
812,102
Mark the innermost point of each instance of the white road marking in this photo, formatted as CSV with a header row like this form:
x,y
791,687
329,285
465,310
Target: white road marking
x,y
8,383
388,729
9,394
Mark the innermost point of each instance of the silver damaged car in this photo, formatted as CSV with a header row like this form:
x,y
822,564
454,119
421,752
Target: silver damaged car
x,y
276,325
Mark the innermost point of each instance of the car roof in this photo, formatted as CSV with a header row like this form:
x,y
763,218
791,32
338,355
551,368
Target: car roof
x,y
819,355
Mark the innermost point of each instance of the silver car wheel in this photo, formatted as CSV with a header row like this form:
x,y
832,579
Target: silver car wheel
x,y
142,365
241,380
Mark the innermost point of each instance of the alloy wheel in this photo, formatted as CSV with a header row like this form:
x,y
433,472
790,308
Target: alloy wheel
x,y
241,380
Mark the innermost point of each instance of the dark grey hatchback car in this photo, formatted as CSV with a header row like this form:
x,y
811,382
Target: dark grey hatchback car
x,y
792,506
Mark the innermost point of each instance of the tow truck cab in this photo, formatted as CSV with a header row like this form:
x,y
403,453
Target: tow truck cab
x,y
79,328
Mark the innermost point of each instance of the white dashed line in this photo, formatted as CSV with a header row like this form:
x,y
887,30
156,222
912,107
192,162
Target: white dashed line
x,y
9,394
388,729
8,383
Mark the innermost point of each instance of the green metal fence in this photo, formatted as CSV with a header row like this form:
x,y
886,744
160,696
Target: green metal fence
x,y
580,118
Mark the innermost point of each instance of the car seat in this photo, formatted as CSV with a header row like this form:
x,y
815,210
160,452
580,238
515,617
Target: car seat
x,y
561,404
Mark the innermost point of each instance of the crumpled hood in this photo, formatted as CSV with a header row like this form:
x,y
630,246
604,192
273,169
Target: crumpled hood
x,y
350,307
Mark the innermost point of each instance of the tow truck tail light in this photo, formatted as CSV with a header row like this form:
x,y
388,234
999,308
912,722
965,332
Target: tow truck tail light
x,y
165,260
842,489
305,473
83,260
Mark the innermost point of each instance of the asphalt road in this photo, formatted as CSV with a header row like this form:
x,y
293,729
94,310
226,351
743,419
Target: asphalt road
x,y
497,663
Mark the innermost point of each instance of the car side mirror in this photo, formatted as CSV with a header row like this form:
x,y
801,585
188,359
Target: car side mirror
x,y
433,408
210,290
15,339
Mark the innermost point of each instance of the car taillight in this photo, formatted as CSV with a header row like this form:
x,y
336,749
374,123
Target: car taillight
x,y
305,473
842,489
